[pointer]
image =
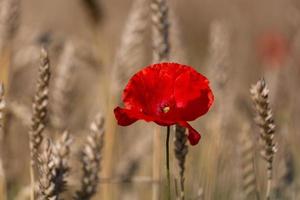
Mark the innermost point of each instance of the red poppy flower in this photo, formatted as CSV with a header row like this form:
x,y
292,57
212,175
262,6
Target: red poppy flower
x,y
273,48
167,94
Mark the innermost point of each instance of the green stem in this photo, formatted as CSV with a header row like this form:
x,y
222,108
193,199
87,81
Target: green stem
x,y
168,163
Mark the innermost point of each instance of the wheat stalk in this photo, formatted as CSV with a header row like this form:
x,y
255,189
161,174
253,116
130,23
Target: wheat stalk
x,y
61,154
130,54
160,30
264,120
2,172
181,150
54,168
129,57
46,168
161,52
9,20
40,103
62,86
247,165
218,71
2,108
219,54
39,111
90,159
178,51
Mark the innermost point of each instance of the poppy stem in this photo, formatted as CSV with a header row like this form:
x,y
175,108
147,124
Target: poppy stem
x,y
168,163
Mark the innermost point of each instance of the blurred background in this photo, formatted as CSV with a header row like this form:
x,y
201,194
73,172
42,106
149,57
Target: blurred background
x,y
95,46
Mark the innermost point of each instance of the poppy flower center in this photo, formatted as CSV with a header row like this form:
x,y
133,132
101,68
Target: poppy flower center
x,y
166,109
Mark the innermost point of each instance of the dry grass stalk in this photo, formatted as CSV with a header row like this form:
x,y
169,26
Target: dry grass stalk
x,y
9,20
161,52
247,165
90,159
39,112
264,119
94,10
181,150
62,86
54,168
160,35
2,173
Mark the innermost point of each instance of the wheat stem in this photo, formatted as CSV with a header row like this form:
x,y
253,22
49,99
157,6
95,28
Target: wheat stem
x,y
264,120
39,114
90,159
54,168
62,87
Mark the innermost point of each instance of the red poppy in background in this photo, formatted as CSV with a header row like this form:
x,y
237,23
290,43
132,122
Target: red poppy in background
x,y
167,94
273,48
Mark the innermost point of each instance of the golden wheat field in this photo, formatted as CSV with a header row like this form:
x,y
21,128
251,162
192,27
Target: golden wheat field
x,y
108,100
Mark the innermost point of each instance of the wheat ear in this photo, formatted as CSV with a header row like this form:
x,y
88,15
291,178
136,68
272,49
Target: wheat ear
x,y
264,120
46,168
61,154
247,165
130,55
181,150
62,87
54,168
160,30
39,111
90,159
219,55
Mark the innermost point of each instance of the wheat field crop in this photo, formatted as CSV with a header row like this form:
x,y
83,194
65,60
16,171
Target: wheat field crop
x,y
63,68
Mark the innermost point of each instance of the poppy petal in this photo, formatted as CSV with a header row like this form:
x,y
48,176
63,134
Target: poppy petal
x,y
192,94
124,116
193,136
